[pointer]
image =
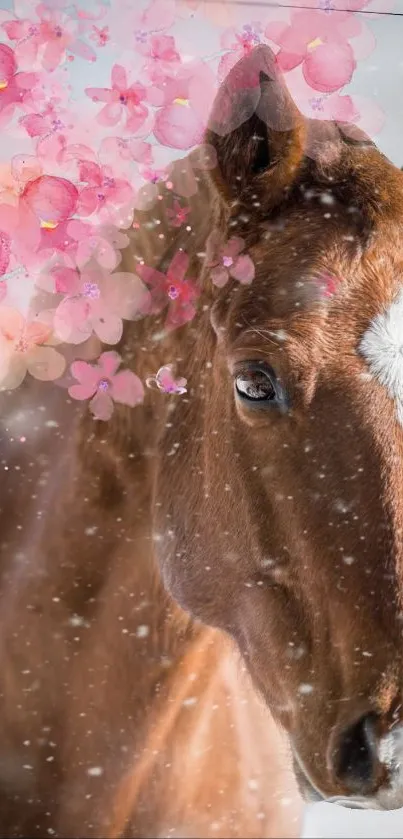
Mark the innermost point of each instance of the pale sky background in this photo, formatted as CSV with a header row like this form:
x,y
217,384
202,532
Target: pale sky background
x,y
379,77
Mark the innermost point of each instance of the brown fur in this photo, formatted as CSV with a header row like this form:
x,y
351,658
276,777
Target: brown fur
x,y
209,489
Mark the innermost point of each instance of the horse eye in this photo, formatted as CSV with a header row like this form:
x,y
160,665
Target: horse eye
x,y
256,384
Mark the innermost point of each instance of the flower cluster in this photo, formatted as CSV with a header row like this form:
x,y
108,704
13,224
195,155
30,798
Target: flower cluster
x,y
86,142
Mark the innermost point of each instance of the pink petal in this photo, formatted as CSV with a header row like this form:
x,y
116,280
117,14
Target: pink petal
x,y
219,276
25,167
233,247
243,270
178,266
109,327
90,172
88,376
12,322
119,77
127,388
165,378
83,50
178,127
35,124
51,198
109,363
46,364
110,114
72,320
8,64
5,249
101,406
100,94
160,14
126,295
329,67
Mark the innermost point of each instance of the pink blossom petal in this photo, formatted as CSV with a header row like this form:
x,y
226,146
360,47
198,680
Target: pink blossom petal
x,y
45,363
178,127
127,388
109,363
219,276
12,322
108,327
329,67
83,50
51,199
119,77
110,114
125,294
101,406
8,64
5,250
243,269
100,94
88,377
178,267
72,320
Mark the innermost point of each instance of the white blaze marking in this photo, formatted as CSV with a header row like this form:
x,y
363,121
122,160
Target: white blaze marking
x,y
382,347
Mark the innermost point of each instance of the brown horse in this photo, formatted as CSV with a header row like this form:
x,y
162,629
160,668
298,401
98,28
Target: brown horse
x,y
266,503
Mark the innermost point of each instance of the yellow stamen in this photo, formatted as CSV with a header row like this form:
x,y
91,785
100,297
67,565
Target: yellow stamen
x,y
316,43
181,101
49,225
3,85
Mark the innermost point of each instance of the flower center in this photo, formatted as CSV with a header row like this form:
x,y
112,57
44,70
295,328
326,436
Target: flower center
x,y
22,344
3,84
317,42
49,225
173,292
103,385
91,290
228,261
180,101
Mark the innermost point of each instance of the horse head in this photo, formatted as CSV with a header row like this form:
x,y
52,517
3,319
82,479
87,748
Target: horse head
x,y
286,525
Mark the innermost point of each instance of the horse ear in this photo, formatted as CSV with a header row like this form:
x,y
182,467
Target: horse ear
x,y
257,131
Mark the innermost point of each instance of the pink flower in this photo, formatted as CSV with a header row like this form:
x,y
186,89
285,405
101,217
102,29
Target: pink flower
x,y
164,380
241,42
130,150
103,189
181,120
41,222
162,57
101,36
47,37
228,261
3,290
121,101
96,301
24,346
172,289
105,385
50,131
15,88
320,42
178,215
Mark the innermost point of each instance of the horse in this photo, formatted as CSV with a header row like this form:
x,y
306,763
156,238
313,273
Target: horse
x,y
201,614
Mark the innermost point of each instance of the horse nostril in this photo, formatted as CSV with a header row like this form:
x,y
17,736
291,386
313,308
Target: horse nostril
x,y
355,761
